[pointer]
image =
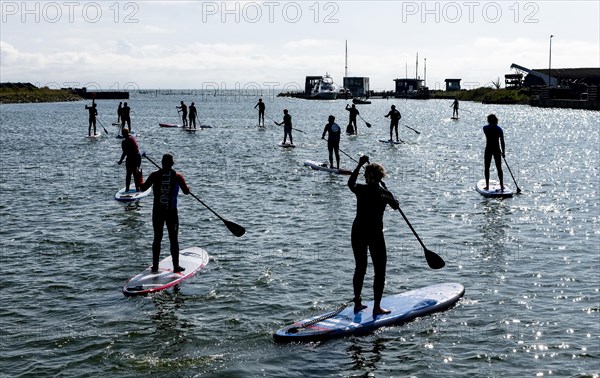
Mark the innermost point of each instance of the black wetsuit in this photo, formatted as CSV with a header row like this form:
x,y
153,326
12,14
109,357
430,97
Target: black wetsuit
x,y
131,151
352,127
125,118
261,112
493,148
394,119
92,118
287,127
166,186
192,116
333,142
367,233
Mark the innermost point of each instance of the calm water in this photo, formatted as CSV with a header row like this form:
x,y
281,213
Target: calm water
x,y
530,264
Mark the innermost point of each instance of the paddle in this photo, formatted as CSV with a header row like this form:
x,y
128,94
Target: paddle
x,y
235,228
320,318
366,123
293,128
433,259
98,119
416,131
513,177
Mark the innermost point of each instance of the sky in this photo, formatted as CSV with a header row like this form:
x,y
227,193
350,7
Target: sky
x,y
275,44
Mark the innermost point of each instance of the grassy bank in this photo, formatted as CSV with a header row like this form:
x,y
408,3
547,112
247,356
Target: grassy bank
x,y
487,95
27,95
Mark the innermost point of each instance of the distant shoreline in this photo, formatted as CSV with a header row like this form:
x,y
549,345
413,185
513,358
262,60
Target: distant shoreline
x,y
37,95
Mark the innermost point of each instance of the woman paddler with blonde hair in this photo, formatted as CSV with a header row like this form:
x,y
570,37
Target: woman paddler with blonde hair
x,y
367,231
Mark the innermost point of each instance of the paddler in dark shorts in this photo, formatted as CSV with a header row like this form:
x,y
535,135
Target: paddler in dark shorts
x,y
287,126
333,140
165,185
367,231
494,147
131,151
394,119
184,112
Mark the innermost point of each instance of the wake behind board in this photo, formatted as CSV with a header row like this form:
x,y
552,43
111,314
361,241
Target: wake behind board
x,y
324,167
131,194
405,307
389,141
287,145
493,190
192,259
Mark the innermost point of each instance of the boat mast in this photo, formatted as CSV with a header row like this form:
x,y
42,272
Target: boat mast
x,y
425,72
346,71
417,67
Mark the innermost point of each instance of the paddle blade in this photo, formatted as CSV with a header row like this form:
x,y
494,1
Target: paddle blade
x,y
235,228
368,124
434,260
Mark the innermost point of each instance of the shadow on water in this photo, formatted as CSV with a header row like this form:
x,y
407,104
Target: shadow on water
x,y
366,358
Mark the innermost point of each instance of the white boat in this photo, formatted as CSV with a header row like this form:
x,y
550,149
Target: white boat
x,y
324,89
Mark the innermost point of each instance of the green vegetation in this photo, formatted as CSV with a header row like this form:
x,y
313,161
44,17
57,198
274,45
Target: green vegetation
x,y
28,95
487,95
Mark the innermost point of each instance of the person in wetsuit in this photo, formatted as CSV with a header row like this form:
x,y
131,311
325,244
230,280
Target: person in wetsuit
x,y
261,111
394,119
131,151
367,231
193,115
352,128
455,108
287,126
333,140
184,112
165,185
93,112
119,112
494,147
125,117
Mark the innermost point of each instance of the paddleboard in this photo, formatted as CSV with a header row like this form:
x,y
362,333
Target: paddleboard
x,y
455,118
493,190
192,259
286,145
169,125
116,124
389,141
131,194
405,307
94,136
325,167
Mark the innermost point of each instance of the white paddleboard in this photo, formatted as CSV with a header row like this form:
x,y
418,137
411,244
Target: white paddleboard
x,y
325,167
389,141
192,259
94,136
130,194
493,189
405,307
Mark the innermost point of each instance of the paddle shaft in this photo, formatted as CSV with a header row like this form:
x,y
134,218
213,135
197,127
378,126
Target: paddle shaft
x,y
511,174
366,123
101,124
416,131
